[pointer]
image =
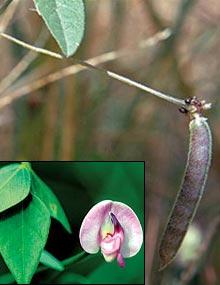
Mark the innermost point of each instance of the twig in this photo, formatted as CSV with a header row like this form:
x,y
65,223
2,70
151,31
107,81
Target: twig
x,y
7,16
154,16
22,64
27,59
5,100
138,85
28,46
9,97
4,4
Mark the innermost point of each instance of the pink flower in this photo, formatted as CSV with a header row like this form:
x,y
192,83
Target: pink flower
x,y
114,228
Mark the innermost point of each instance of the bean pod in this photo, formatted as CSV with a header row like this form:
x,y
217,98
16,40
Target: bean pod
x,y
191,191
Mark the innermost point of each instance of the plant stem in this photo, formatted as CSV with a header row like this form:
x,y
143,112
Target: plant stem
x,y
135,84
107,72
36,49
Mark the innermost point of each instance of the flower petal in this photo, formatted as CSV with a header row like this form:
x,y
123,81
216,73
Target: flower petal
x,y
90,238
120,260
110,244
133,233
109,257
89,231
107,227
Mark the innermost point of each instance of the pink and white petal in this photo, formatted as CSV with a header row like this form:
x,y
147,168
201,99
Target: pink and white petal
x,y
110,245
109,257
89,231
107,227
120,260
133,234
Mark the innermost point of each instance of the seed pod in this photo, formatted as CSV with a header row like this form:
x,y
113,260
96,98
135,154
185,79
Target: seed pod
x,y
191,191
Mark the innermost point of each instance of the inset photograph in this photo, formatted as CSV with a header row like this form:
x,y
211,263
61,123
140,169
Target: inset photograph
x,y
72,222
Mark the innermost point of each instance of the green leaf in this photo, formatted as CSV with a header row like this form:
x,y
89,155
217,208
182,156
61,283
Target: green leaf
x,y
74,258
43,192
15,183
22,238
49,260
65,19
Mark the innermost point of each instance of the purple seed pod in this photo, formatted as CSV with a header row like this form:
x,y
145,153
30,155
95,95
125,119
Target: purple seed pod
x,y
191,191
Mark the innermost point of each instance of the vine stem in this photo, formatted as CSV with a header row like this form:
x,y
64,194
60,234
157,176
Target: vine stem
x,y
28,46
6,82
136,84
109,73
154,92
8,277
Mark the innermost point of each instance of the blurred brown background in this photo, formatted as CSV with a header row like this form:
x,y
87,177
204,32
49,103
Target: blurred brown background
x,y
88,116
